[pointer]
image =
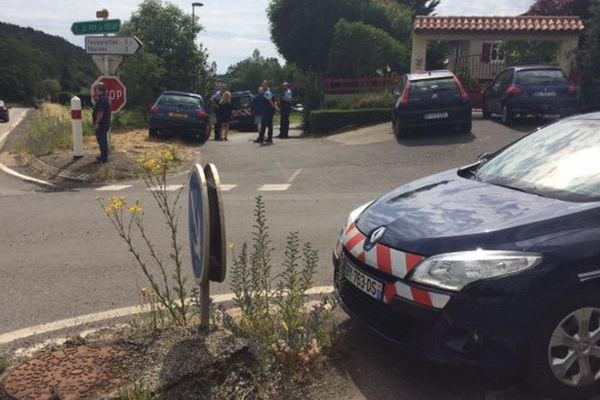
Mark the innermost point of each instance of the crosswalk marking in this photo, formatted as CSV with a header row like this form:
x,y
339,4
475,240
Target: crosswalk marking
x,y
227,188
274,188
168,188
112,188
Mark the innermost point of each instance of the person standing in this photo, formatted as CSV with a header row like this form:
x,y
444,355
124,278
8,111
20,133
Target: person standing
x,y
258,107
267,119
286,109
101,118
225,113
214,101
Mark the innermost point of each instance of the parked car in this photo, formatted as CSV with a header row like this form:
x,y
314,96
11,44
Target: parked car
x,y
242,115
525,90
180,112
495,265
4,112
428,99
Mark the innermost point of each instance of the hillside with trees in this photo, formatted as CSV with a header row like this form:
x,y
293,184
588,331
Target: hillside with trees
x,y
35,64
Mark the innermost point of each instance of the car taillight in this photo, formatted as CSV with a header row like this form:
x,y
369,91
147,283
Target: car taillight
x,y
201,115
513,91
463,93
404,98
154,109
573,90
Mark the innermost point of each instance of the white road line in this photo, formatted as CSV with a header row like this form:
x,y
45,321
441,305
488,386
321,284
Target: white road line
x,y
294,175
112,188
168,188
274,188
111,314
227,188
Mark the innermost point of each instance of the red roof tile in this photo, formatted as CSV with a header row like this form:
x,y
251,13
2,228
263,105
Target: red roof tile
x,y
500,24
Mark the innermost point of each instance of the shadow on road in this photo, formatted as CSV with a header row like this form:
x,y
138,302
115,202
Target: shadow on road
x,y
380,372
527,124
435,137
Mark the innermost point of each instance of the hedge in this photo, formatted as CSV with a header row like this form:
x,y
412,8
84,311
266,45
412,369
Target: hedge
x,y
327,121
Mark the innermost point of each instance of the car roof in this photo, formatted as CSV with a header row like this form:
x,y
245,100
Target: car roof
x,y
595,116
538,66
176,93
242,93
442,73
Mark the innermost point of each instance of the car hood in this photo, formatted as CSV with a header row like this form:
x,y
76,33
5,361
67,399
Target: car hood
x,y
446,212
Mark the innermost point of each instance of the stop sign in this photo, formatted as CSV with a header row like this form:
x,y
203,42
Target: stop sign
x,y
115,90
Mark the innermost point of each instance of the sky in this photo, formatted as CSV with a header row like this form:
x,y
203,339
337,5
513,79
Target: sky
x,y
232,28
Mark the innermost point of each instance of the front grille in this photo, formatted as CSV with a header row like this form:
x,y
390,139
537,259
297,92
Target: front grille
x,y
381,317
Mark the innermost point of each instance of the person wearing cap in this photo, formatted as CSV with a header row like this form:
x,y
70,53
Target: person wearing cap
x,y
286,109
101,119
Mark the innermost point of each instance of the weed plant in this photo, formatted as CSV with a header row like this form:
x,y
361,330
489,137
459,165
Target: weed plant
x,y
166,279
4,364
137,391
272,307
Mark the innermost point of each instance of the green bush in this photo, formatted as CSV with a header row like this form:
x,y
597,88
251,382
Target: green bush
x,y
326,121
130,119
358,101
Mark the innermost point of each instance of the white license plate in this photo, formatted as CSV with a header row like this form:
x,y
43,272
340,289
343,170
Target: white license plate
x,y
364,282
178,115
545,94
436,115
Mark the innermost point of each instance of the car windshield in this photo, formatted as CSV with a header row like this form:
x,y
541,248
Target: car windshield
x,y
431,86
181,101
559,161
541,77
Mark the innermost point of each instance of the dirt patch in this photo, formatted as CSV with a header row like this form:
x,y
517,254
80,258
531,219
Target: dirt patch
x,y
174,363
60,167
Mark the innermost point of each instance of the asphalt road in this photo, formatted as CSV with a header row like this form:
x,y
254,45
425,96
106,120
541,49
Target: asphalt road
x,y
60,256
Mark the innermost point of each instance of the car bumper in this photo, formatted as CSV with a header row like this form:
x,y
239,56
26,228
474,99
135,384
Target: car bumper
x,y
169,125
4,115
419,118
465,331
563,107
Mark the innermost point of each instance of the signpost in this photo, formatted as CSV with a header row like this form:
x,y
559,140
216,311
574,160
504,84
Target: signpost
x,y
199,225
117,45
218,249
96,27
115,90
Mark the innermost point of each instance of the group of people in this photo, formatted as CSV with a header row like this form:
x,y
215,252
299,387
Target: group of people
x,y
264,108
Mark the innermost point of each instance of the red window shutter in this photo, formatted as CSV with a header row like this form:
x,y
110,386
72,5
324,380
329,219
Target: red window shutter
x,y
486,52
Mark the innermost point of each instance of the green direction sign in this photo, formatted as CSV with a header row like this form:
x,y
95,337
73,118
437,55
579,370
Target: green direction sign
x,y
96,27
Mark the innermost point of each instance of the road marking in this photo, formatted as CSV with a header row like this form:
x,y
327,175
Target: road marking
x,y
112,188
112,314
274,187
294,175
227,188
168,188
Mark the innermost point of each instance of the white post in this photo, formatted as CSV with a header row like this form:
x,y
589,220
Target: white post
x,y
77,127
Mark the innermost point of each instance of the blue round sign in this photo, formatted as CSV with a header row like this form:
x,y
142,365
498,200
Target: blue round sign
x,y
199,223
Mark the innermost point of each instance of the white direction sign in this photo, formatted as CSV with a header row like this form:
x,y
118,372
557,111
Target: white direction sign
x,y
119,45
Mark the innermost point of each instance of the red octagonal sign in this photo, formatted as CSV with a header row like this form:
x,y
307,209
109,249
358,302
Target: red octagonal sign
x,y
115,90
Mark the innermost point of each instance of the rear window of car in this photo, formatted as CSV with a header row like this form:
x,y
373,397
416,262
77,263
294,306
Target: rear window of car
x,y
428,87
241,102
180,101
540,77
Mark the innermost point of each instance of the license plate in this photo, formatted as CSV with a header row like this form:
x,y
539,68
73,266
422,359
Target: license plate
x,y
436,115
363,282
545,94
178,115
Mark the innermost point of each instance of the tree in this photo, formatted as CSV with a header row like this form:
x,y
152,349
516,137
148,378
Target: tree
x,y
561,7
589,61
47,87
420,7
361,50
169,35
143,74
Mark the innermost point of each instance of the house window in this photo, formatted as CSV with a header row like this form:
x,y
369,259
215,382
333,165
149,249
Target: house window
x,y
492,52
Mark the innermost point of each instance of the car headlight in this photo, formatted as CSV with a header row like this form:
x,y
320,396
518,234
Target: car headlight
x,y
453,271
354,214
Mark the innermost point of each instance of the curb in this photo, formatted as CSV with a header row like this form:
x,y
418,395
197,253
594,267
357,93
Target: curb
x,y
12,172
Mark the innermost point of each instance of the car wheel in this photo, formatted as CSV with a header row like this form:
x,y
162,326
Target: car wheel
x,y
564,356
507,115
152,133
401,131
466,127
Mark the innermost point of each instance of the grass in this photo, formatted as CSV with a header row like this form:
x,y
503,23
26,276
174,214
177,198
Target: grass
x,y
295,119
4,364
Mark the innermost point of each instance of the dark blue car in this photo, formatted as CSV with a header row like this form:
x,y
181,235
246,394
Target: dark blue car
x,y
495,265
530,90
180,112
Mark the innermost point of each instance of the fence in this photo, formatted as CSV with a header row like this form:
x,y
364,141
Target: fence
x,y
360,85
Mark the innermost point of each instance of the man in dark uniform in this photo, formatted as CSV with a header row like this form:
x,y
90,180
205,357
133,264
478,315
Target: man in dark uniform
x,y
286,109
101,118
267,119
